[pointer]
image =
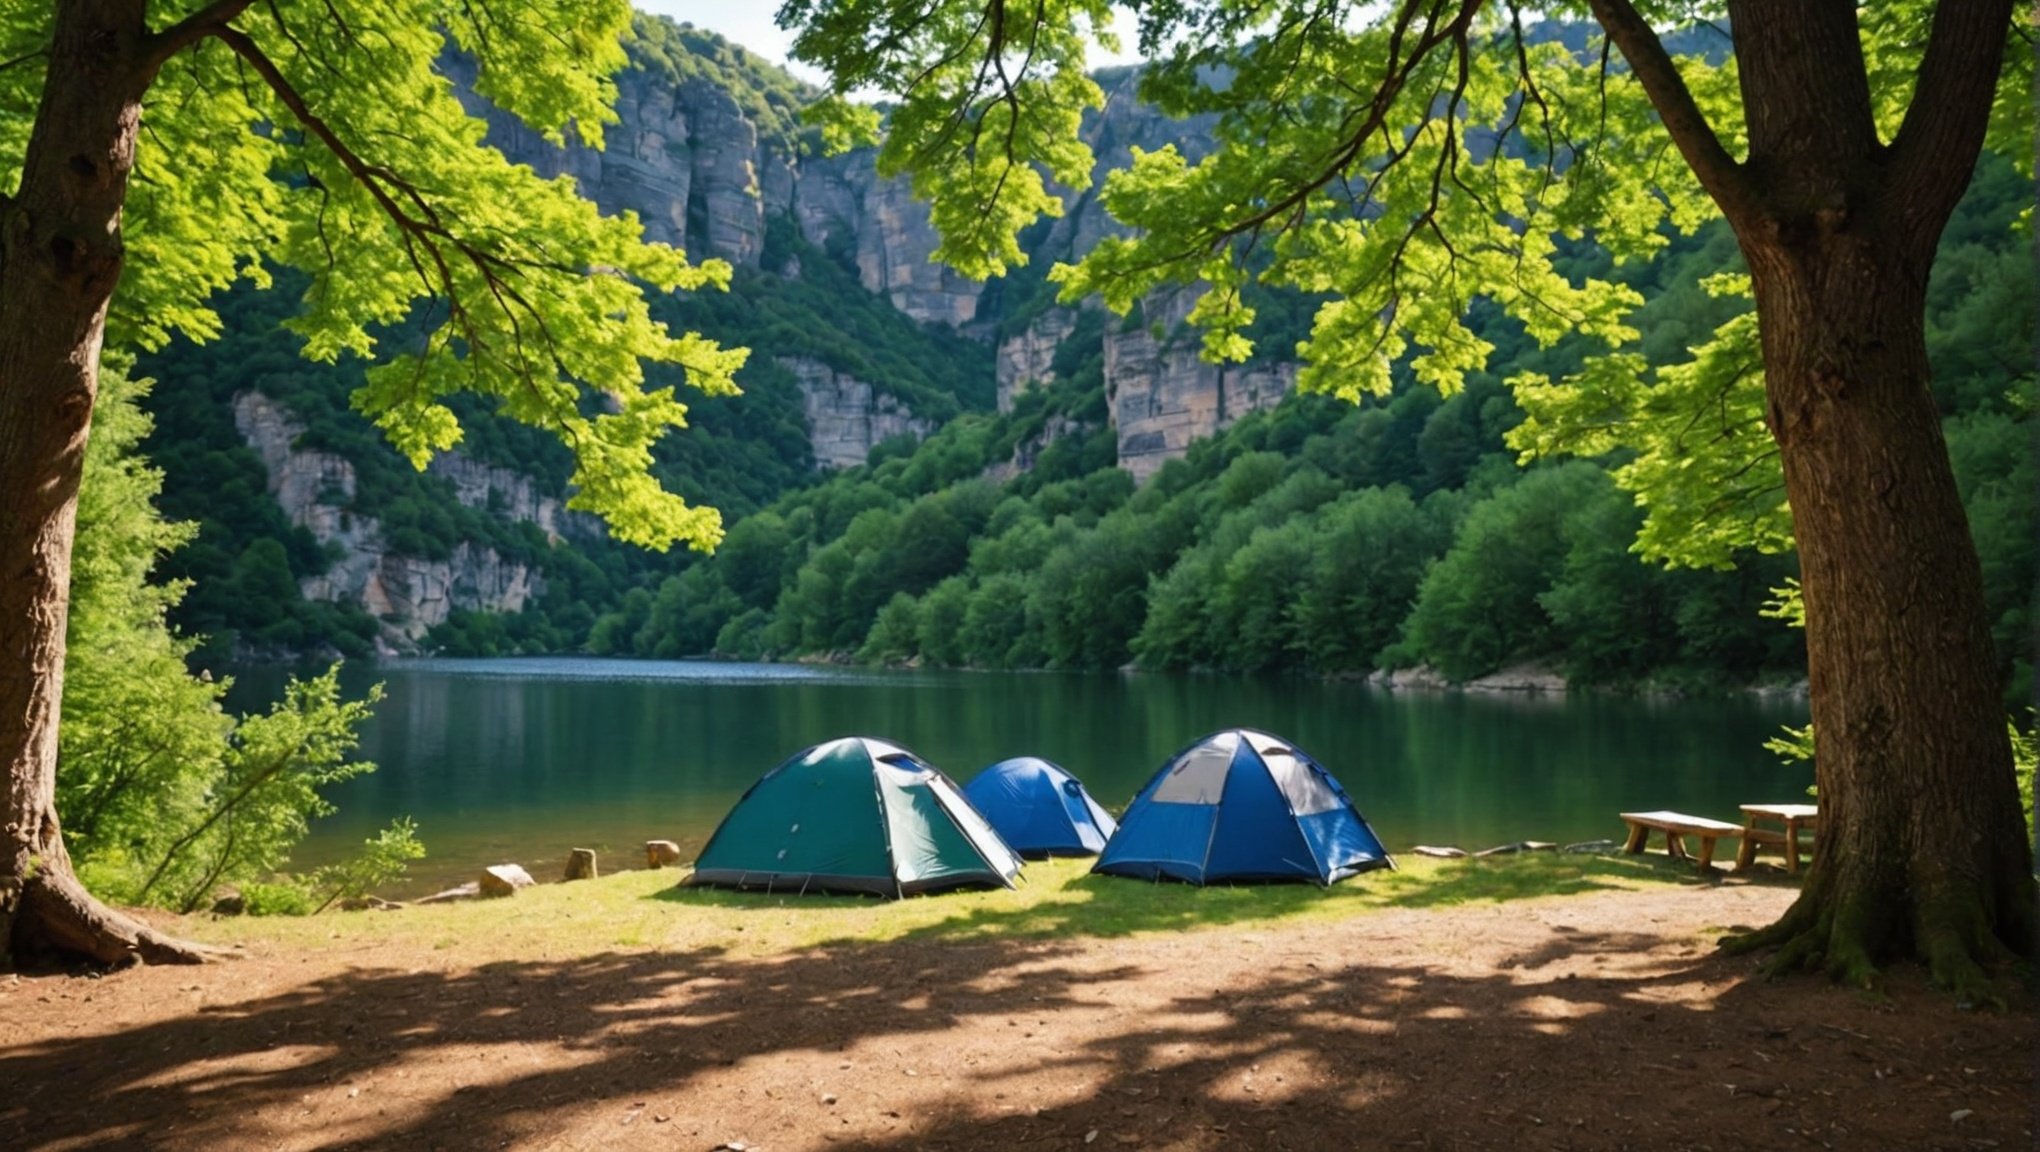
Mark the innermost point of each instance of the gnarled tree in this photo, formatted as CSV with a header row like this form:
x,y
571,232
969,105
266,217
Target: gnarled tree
x,y
152,152
1412,158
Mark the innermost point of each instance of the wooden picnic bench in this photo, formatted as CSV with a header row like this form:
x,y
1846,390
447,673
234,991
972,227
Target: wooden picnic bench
x,y
1677,826
1792,816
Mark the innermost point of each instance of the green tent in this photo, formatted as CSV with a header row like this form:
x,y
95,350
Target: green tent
x,y
854,815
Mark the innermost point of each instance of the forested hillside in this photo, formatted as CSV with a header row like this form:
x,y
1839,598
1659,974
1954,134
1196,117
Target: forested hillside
x,y
1041,486
1334,538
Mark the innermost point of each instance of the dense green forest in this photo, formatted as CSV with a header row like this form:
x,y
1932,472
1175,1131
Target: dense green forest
x,y
739,454
1333,538
1319,537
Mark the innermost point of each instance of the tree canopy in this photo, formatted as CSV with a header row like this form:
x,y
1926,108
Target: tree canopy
x,y
329,138
1411,164
153,155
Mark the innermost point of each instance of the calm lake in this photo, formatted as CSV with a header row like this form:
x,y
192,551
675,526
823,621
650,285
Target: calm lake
x,y
522,759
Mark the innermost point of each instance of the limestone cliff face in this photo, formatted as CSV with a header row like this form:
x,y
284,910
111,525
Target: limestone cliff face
x,y
684,158
1113,132
843,199
512,496
408,594
1026,360
1162,396
689,162
846,416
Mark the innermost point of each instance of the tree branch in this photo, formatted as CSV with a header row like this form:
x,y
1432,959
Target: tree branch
x,y
24,58
207,21
1935,150
1719,173
1372,116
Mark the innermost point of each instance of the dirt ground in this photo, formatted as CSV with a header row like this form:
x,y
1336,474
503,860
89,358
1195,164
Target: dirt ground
x,y
1599,1021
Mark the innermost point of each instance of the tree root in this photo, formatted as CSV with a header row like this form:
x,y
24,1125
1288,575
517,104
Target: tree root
x,y
1798,919
1848,939
1811,938
1957,940
1955,968
56,915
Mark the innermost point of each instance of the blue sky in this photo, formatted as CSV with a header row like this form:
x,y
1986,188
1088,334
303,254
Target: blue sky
x,y
749,22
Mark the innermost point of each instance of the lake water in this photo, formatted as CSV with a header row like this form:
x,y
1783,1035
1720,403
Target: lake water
x,y
522,759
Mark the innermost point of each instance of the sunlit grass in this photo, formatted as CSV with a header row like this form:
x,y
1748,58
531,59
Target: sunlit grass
x,y
1057,899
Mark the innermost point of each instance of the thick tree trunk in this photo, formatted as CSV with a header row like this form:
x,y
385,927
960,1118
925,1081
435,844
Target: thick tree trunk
x,y
60,259
1922,850
1922,847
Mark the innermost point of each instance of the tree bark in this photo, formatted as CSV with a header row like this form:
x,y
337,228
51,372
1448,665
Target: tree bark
x,y
1922,847
60,259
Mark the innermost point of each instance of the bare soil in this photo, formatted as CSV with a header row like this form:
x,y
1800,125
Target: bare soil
x,y
1599,1021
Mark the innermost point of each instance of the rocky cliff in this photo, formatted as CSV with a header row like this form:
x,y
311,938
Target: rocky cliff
x,y
697,171
409,595
1163,396
511,496
841,200
846,417
1026,360
689,161
683,157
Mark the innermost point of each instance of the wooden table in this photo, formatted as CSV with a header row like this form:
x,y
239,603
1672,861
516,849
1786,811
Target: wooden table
x,y
1792,816
1677,826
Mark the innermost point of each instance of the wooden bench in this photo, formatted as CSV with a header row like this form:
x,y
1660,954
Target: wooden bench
x,y
1792,816
1677,826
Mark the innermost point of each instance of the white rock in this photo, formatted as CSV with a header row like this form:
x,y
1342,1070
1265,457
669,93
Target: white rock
x,y
503,880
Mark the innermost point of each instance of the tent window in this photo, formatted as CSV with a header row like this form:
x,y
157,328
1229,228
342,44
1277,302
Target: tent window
x,y
1307,792
1199,775
880,750
903,770
905,760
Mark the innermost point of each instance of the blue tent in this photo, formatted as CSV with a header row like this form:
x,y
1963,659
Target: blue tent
x,y
1039,809
1242,805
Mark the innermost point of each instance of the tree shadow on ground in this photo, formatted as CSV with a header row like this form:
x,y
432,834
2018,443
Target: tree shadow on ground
x,y
1585,1039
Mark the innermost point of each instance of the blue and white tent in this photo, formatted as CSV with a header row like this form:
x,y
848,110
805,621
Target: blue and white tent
x,y
1242,805
1039,809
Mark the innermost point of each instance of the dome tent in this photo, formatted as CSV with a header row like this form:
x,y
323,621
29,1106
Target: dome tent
x,y
854,815
1242,805
1040,810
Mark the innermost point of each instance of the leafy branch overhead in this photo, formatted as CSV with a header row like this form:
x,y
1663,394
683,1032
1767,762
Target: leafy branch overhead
x,y
327,137
1407,162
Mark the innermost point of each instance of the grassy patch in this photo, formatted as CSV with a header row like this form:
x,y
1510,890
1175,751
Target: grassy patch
x,y
1057,899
